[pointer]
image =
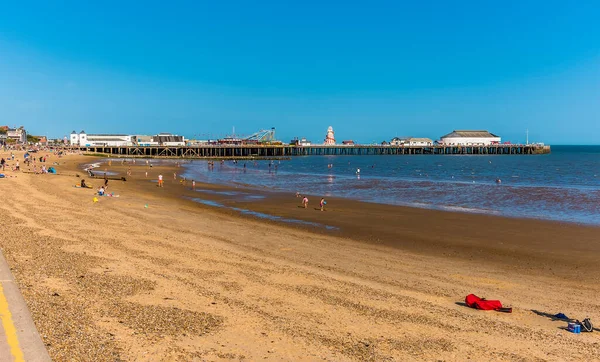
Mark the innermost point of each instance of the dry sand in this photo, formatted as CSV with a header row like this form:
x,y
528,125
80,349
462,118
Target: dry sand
x,y
115,280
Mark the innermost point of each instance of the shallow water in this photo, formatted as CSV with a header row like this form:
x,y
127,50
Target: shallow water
x,y
261,215
564,185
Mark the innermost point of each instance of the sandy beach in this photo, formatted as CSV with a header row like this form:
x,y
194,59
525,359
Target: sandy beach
x,y
151,275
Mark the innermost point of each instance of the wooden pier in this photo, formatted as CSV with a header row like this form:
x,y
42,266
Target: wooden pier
x,y
277,151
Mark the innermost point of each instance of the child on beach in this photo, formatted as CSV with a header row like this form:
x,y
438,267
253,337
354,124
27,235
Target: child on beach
x,y
160,180
305,202
322,203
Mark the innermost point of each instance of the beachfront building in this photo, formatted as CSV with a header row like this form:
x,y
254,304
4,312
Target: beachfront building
x,y
17,135
329,138
109,140
470,138
348,143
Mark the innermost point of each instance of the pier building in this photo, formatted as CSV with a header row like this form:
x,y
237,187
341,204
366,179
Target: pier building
x,y
470,138
411,141
329,138
92,140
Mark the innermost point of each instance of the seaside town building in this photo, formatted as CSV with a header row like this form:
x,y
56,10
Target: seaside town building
x,y
348,143
470,138
329,138
411,141
16,135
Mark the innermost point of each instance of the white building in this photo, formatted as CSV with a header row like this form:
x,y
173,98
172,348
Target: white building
x,y
329,138
19,135
470,138
411,141
168,139
93,140
144,141
415,141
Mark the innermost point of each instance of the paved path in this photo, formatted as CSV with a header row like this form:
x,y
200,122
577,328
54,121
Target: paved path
x,y
19,338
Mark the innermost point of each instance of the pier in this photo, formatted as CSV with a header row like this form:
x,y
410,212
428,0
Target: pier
x,y
275,151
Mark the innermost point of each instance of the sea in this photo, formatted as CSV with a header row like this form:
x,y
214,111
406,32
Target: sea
x,y
562,186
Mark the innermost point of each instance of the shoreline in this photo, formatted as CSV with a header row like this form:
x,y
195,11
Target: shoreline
x,y
496,239
149,275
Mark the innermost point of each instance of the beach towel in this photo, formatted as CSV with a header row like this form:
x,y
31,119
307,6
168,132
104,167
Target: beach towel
x,y
474,301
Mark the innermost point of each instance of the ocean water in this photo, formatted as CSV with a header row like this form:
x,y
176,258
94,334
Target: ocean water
x,y
563,186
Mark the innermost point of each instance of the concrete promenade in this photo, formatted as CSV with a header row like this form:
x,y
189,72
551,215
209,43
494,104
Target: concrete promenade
x,y
19,338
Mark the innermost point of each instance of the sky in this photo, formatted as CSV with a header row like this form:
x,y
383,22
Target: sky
x,y
372,70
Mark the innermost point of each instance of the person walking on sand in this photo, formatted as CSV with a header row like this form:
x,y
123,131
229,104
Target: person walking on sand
x,y
322,203
160,180
193,185
305,202
174,175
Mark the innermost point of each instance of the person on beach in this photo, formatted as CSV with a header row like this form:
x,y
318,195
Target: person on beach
x,y
17,168
193,185
174,175
160,180
305,202
3,163
101,191
322,203
146,174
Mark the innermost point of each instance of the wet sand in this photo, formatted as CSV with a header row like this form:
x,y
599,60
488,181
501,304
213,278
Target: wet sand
x,y
180,280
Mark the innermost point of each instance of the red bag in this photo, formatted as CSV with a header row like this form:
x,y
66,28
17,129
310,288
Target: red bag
x,y
474,301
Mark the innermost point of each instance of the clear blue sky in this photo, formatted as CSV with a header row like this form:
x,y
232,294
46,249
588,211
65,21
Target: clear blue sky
x,y
372,70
